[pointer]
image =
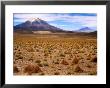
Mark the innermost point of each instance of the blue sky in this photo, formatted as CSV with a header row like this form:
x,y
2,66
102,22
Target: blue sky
x,y
66,21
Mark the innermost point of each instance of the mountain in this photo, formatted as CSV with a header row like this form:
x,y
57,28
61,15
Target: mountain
x,y
85,29
36,25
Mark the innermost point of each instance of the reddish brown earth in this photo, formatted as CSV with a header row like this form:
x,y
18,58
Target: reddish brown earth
x,y
54,55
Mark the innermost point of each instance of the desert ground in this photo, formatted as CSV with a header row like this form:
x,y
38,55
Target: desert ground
x,y
54,55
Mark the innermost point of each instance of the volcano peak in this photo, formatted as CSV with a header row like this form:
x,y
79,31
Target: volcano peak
x,y
37,24
34,19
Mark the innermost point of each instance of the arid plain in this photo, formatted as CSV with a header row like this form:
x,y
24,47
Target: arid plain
x,y
54,54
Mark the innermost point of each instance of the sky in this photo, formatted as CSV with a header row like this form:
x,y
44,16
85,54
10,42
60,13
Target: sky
x,y
66,21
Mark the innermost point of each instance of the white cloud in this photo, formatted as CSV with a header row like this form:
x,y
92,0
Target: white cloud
x,y
46,17
88,21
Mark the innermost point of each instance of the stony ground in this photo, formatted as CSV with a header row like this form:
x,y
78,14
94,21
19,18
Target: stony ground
x,y
34,55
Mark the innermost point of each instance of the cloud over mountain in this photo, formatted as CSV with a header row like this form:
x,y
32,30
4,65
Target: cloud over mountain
x,y
36,25
66,21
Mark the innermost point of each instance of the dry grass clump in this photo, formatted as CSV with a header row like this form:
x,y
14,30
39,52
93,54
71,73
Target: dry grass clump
x,y
56,73
69,73
94,59
31,68
92,73
56,61
42,73
78,69
45,63
64,62
37,61
75,61
20,57
40,65
30,49
62,55
15,69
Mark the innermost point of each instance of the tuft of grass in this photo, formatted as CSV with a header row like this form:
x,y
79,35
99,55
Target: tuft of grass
x,y
40,65
15,69
45,59
20,57
30,49
31,68
56,73
78,69
94,59
45,64
92,73
69,73
55,62
46,54
62,55
37,61
75,61
42,73
64,62
30,60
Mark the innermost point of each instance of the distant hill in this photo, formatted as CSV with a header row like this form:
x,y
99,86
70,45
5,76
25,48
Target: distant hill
x,y
85,29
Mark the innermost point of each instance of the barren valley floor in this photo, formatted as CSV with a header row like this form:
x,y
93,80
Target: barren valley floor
x,y
54,55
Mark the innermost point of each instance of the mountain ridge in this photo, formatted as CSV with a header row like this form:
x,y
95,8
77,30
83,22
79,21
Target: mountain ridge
x,y
37,25
40,25
85,29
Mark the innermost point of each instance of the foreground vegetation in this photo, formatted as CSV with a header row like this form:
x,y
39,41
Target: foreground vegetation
x,y
35,55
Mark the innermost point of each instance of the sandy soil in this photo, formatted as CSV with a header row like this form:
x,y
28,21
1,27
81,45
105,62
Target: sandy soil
x,y
35,55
